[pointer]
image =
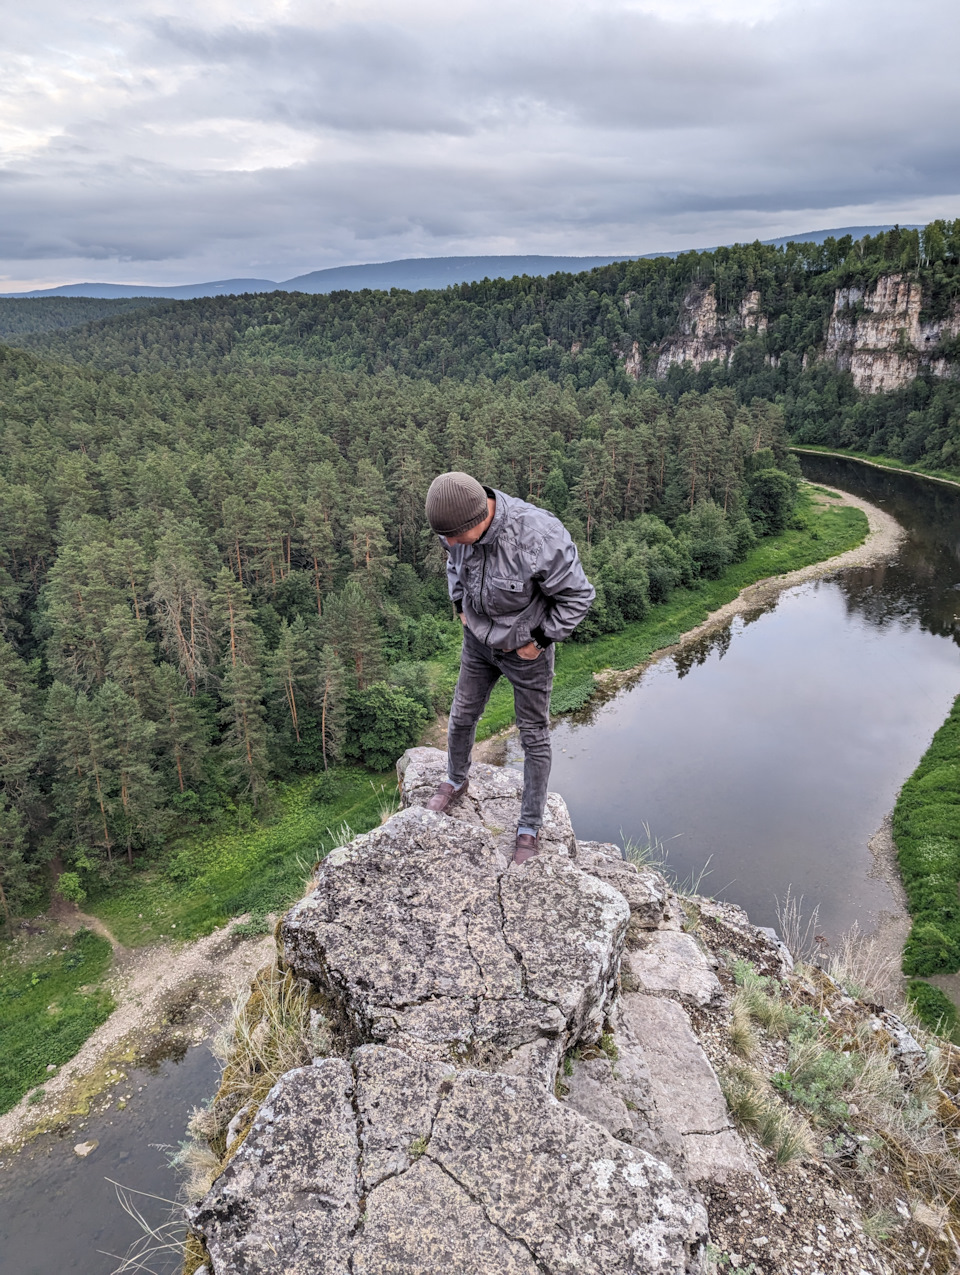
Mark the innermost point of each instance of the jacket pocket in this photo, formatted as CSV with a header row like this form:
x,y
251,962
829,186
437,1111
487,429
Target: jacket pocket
x,y
508,593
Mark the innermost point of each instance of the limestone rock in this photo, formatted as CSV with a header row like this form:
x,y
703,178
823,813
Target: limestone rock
x,y
580,1201
423,940
492,800
499,1177
592,1091
685,1089
878,336
289,1200
674,963
644,889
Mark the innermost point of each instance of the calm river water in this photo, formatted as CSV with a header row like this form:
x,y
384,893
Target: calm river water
x,y
773,750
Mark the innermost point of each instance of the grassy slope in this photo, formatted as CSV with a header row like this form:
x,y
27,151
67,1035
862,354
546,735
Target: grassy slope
x,y
926,828
884,462
210,877
48,1009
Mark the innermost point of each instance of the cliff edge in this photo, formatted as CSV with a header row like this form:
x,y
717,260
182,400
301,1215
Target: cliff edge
x,y
518,1069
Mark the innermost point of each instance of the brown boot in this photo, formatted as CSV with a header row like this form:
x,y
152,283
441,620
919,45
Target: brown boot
x,y
527,847
445,794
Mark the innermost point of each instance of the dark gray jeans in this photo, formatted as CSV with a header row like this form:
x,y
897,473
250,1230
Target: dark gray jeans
x,y
532,681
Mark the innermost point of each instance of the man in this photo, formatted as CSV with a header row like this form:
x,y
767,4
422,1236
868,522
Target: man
x,y
516,581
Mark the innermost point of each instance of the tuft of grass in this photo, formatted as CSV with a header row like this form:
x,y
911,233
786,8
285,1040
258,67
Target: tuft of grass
x,y
277,1027
48,1009
880,1224
934,1009
743,1038
758,1111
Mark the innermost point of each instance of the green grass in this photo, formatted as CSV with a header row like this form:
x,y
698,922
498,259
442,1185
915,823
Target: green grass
x,y
47,1010
926,828
821,532
885,462
934,1008
207,878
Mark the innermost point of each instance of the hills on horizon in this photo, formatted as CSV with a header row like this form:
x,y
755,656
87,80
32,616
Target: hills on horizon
x,y
411,273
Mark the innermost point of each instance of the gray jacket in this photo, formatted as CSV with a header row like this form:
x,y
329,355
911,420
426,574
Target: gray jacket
x,y
521,580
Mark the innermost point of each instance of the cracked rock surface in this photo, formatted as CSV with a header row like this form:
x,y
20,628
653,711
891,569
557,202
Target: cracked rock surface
x,y
457,985
425,941
476,1173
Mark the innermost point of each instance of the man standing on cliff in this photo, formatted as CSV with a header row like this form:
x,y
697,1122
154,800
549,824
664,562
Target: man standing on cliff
x,y
516,581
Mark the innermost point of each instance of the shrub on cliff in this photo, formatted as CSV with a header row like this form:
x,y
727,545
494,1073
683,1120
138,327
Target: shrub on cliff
x,y
381,721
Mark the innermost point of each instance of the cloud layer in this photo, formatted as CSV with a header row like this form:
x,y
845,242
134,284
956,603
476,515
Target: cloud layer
x,y
164,142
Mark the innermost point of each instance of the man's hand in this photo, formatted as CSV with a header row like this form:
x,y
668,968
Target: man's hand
x,y
463,618
528,652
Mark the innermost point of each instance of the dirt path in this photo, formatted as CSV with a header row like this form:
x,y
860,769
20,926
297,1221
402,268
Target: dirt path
x,y
168,996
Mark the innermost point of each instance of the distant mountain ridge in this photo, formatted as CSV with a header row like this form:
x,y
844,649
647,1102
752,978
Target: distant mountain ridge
x,y
411,273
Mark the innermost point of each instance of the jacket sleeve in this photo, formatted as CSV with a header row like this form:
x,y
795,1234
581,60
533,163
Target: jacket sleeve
x,y
562,580
454,583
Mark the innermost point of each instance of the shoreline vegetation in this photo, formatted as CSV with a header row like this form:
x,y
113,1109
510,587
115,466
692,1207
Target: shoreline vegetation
x,y
881,462
256,869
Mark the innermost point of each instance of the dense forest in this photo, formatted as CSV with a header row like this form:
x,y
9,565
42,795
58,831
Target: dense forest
x,y
210,581
21,316
214,565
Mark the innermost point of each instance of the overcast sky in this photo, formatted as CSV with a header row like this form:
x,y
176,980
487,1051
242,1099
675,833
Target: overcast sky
x,y
169,141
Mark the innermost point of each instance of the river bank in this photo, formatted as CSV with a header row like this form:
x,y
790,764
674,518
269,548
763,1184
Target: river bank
x,y
166,994
879,462
882,541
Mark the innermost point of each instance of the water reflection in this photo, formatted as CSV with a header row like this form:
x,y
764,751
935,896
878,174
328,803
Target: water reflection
x,y
775,746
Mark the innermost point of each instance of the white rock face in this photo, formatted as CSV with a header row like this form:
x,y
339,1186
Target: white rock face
x,y
705,334
878,337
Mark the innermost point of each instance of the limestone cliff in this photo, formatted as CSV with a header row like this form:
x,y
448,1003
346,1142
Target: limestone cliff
x,y
704,334
520,1072
877,335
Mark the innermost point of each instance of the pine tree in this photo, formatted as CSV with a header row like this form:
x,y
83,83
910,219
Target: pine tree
x,y
132,779
16,881
182,602
182,733
351,629
244,742
290,669
331,703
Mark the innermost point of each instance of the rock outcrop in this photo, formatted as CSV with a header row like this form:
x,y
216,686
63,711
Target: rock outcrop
x,y
522,1070
878,336
705,334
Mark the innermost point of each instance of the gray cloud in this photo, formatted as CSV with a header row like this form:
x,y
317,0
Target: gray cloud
x,y
163,145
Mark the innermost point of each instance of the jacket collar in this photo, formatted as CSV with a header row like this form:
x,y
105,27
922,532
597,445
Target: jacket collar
x,y
492,533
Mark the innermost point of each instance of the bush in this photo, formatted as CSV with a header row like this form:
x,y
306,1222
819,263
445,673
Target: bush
x,y
770,501
68,885
381,722
933,1007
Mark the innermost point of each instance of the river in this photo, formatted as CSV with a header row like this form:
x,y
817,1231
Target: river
x,y
770,753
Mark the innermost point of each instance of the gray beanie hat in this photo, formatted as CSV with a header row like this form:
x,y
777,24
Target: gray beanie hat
x,y
455,503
